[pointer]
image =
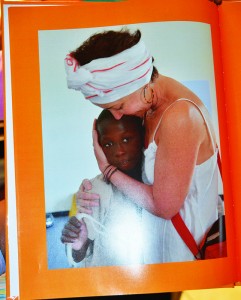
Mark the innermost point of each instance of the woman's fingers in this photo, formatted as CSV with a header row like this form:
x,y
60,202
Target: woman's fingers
x,y
85,206
84,191
85,199
99,153
85,186
86,196
84,209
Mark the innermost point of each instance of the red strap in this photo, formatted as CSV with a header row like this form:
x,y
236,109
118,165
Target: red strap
x,y
220,165
185,234
183,230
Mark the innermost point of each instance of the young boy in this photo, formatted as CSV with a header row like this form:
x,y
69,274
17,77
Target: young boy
x,y
118,240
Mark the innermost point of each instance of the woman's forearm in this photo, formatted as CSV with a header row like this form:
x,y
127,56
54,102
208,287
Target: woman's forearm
x,y
156,202
138,192
158,199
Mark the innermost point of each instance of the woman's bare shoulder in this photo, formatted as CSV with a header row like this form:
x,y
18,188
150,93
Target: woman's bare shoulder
x,y
181,120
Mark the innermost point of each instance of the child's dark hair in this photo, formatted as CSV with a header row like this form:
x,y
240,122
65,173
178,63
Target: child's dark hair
x,y
106,44
106,115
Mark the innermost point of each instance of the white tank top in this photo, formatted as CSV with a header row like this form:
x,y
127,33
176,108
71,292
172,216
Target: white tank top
x,y
199,211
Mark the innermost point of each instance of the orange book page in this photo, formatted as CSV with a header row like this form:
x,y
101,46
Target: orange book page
x,y
36,280
230,16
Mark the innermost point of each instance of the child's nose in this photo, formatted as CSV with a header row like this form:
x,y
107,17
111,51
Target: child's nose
x,y
120,149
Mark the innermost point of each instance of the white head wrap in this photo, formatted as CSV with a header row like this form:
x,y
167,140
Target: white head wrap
x,y
106,80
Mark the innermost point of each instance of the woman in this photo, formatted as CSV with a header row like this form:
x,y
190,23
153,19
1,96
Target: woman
x,y
115,71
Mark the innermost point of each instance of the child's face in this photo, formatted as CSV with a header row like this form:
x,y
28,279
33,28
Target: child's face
x,y
121,142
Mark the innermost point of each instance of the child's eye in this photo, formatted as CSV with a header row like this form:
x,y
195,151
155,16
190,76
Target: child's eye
x,y
107,145
125,140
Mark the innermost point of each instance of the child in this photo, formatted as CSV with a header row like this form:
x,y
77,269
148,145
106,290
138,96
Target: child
x,y
118,240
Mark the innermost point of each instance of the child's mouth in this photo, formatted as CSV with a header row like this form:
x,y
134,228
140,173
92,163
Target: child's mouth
x,y
124,163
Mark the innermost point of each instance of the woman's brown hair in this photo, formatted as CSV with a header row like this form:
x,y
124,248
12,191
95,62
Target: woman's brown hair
x,y
106,44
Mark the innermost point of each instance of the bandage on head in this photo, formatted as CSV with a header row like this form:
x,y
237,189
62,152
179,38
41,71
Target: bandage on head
x,y
105,80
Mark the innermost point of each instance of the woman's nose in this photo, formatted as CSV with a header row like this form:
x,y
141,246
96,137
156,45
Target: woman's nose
x,y
116,114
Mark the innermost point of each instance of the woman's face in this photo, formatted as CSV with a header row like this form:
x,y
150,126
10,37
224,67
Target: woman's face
x,y
132,104
122,143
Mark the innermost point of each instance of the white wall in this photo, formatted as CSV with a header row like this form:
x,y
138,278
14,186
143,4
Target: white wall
x,y
182,50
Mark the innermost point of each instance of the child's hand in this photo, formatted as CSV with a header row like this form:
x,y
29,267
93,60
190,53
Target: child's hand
x,y
85,199
75,232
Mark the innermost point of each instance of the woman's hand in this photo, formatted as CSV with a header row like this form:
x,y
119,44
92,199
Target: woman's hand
x,y
85,199
75,232
99,153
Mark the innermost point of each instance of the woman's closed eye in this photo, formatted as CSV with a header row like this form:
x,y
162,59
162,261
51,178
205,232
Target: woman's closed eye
x,y
119,108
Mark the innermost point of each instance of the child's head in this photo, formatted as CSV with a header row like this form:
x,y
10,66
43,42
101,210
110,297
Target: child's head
x,y
121,140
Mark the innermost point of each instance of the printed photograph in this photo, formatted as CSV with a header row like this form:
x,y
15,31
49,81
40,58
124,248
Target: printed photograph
x,y
130,145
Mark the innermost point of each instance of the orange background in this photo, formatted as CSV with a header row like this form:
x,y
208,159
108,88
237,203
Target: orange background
x,y
230,16
36,281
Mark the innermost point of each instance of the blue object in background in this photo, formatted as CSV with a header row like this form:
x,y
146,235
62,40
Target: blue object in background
x,y
49,220
57,258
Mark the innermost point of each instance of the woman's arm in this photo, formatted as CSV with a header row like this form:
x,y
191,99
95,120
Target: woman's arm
x,y
178,139
85,199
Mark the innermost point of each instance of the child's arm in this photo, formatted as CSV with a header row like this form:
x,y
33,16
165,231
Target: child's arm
x,y
76,233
